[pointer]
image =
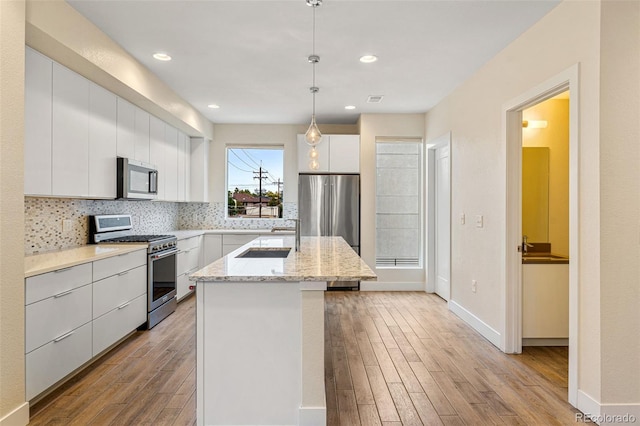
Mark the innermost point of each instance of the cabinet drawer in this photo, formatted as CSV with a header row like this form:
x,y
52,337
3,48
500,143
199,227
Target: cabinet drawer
x,y
117,323
114,265
40,287
53,361
116,290
238,239
182,288
51,318
189,243
188,260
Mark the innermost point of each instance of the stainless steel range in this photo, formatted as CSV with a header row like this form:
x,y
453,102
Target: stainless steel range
x,y
161,261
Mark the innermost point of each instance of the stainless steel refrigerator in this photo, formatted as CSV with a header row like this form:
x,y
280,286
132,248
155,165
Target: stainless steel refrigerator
x,y
329,205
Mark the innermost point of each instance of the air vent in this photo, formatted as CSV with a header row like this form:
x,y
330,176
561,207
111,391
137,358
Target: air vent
x,y
374,99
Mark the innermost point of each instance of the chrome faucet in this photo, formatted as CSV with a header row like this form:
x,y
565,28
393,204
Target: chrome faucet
x,y
297,221
525,244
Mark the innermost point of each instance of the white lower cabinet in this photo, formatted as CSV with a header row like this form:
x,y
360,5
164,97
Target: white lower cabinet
x,y
189,260
231,242
115,324
119,289
212,248
51,318
74,314
48,364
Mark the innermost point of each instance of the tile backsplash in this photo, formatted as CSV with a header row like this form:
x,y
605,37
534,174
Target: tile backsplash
x,y
212,216
44,219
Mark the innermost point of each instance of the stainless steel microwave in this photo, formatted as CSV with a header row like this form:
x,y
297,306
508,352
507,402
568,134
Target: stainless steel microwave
x,y
136,180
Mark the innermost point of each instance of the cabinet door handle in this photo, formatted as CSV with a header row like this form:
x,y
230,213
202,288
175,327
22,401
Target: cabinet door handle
x,y
64,293
64,336
193,270
123,273
124,305
123,254
63,269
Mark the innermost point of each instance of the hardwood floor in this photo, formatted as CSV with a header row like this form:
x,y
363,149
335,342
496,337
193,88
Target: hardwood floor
x,y
403,358
390,359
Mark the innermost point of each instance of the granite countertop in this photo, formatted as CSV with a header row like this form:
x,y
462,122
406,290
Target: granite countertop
x,y
319,259
188,233
46,262
538,258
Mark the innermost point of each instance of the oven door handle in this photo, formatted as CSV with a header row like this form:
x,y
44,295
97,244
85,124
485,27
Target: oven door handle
x,y
162,255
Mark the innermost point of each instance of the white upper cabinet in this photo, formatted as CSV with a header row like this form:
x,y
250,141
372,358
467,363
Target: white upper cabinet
x,y
102,142
344,154
37,123
157,152
336,154
183,154
70,148
141,143
171,164
126,129
199,176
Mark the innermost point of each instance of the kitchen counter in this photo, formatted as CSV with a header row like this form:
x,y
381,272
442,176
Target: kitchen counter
x,y
188,233
534,258
60,259
319,259
260,331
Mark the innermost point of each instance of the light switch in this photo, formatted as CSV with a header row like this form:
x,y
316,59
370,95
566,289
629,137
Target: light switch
x,y
462,218
479,221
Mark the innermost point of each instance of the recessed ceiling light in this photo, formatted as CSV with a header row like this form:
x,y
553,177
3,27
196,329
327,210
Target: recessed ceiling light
x,y
367,59
161,56
213,106
350,107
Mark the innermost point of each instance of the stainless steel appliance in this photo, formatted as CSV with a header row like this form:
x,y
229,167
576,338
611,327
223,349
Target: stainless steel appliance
x,y
161,261
136,180
329,205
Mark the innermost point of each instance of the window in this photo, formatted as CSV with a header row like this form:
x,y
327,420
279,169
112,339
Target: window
x,y
398,203
254,182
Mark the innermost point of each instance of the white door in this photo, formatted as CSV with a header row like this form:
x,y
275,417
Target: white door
x,y
442,223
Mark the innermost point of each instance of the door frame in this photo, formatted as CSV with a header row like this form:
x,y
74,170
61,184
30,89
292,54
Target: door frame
x,y
512,131
432,146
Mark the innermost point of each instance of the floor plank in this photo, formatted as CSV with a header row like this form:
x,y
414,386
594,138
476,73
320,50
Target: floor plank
x,y
391,358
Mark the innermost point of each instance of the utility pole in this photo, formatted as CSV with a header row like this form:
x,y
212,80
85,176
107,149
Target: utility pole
x,y
260,175
278,183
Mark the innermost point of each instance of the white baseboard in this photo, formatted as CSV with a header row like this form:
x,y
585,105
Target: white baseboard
x,y
480,326
18,417
313,416
390,286
605,414
544,342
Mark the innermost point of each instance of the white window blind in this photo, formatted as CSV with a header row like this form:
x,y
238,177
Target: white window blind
x,y
398,203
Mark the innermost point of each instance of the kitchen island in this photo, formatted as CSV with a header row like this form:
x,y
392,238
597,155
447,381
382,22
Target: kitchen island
x,y
260,330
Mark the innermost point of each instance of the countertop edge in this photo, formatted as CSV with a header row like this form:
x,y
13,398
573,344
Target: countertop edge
x,y
46,258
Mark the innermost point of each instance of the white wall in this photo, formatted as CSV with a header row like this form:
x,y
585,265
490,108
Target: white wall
x,y
620,202
371,127
569,34
13,408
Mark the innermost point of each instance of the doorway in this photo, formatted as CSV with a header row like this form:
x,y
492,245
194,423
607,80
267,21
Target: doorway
x,y
511,342
439,208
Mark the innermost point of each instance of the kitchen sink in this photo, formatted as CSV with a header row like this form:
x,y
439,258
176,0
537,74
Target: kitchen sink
x,y
266,252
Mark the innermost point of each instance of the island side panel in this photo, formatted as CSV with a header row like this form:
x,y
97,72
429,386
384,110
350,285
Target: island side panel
x,y
313,410
250,366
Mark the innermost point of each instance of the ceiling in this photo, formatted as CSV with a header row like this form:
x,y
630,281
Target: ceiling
x,y
250,57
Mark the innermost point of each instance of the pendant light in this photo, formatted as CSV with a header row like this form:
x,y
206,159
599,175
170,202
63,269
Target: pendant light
x,y
313,134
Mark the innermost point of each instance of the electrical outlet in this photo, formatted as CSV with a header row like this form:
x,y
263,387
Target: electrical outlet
x,y
194,217
479,221
135,221
462,218
67,225
474,285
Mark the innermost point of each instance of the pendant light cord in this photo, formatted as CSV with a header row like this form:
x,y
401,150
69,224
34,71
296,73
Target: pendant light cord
x,y
314,54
